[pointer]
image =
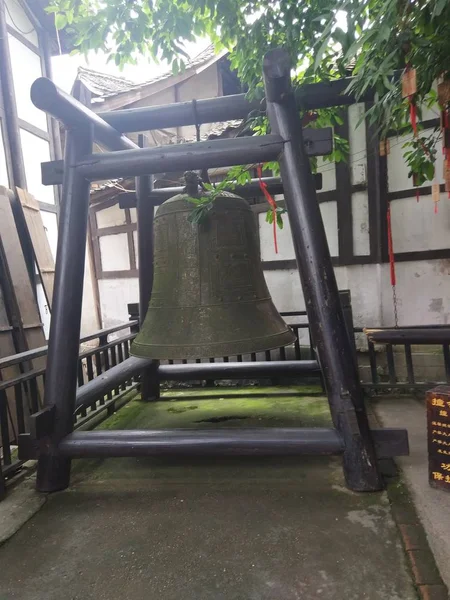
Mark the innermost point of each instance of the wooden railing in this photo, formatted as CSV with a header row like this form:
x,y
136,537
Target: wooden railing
x,y
22,395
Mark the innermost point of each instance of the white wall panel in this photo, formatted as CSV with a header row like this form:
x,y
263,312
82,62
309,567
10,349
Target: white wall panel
x,y
360,225
115,294
415,225
398,170
51,229
26,68
108,217
17,18
4,180
36,150
114,252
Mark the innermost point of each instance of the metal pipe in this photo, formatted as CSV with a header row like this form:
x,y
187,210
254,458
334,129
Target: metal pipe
x,y
215,442
63,347
49,98
238,370
195,155
409,336
226,108
325,315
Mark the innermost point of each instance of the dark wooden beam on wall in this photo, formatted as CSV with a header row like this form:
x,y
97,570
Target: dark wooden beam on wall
x,y
376,192
382,210
344,197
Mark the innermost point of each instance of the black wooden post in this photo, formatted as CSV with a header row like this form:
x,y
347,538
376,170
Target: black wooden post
x,y
133,313
145,217
324,309
63,347
346,302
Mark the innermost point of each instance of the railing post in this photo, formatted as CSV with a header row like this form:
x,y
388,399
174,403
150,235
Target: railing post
x,y
324,309
145,218
63,348
133,313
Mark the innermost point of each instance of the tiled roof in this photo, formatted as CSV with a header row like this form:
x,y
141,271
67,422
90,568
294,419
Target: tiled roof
x,y
104,85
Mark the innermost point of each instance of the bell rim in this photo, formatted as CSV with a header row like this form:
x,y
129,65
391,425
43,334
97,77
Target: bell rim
x,y
221,349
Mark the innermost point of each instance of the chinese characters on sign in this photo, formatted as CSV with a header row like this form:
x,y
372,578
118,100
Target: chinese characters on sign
x,y
438,419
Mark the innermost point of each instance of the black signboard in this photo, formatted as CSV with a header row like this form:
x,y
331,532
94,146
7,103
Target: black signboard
x,y
438,419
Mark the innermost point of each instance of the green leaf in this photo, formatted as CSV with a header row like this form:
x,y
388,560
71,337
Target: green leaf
x,y
428,170
439,7
280,221
60,21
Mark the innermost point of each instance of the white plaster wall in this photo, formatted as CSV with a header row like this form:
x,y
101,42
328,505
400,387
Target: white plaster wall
x,y
360,225
398,170
203,85
423,292
357,135
89,314
284,236
115,295
114,253
4,179
328,171
362,280
26,67
18,20
415,225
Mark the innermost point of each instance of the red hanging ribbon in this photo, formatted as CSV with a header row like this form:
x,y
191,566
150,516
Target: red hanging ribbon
x,y
272,204
390,246
413,118
413,114
445,149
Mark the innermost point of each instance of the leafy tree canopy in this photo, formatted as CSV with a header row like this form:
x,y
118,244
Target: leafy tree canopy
x,y
327,39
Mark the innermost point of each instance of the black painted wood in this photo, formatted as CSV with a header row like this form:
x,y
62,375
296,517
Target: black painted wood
x,y
325,315
344,193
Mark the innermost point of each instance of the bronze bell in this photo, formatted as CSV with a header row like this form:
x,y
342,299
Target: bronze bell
x,y
209,297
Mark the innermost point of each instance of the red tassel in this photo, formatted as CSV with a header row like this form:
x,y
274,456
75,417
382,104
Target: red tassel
x,y
390,246
435,208
272,203
413,115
